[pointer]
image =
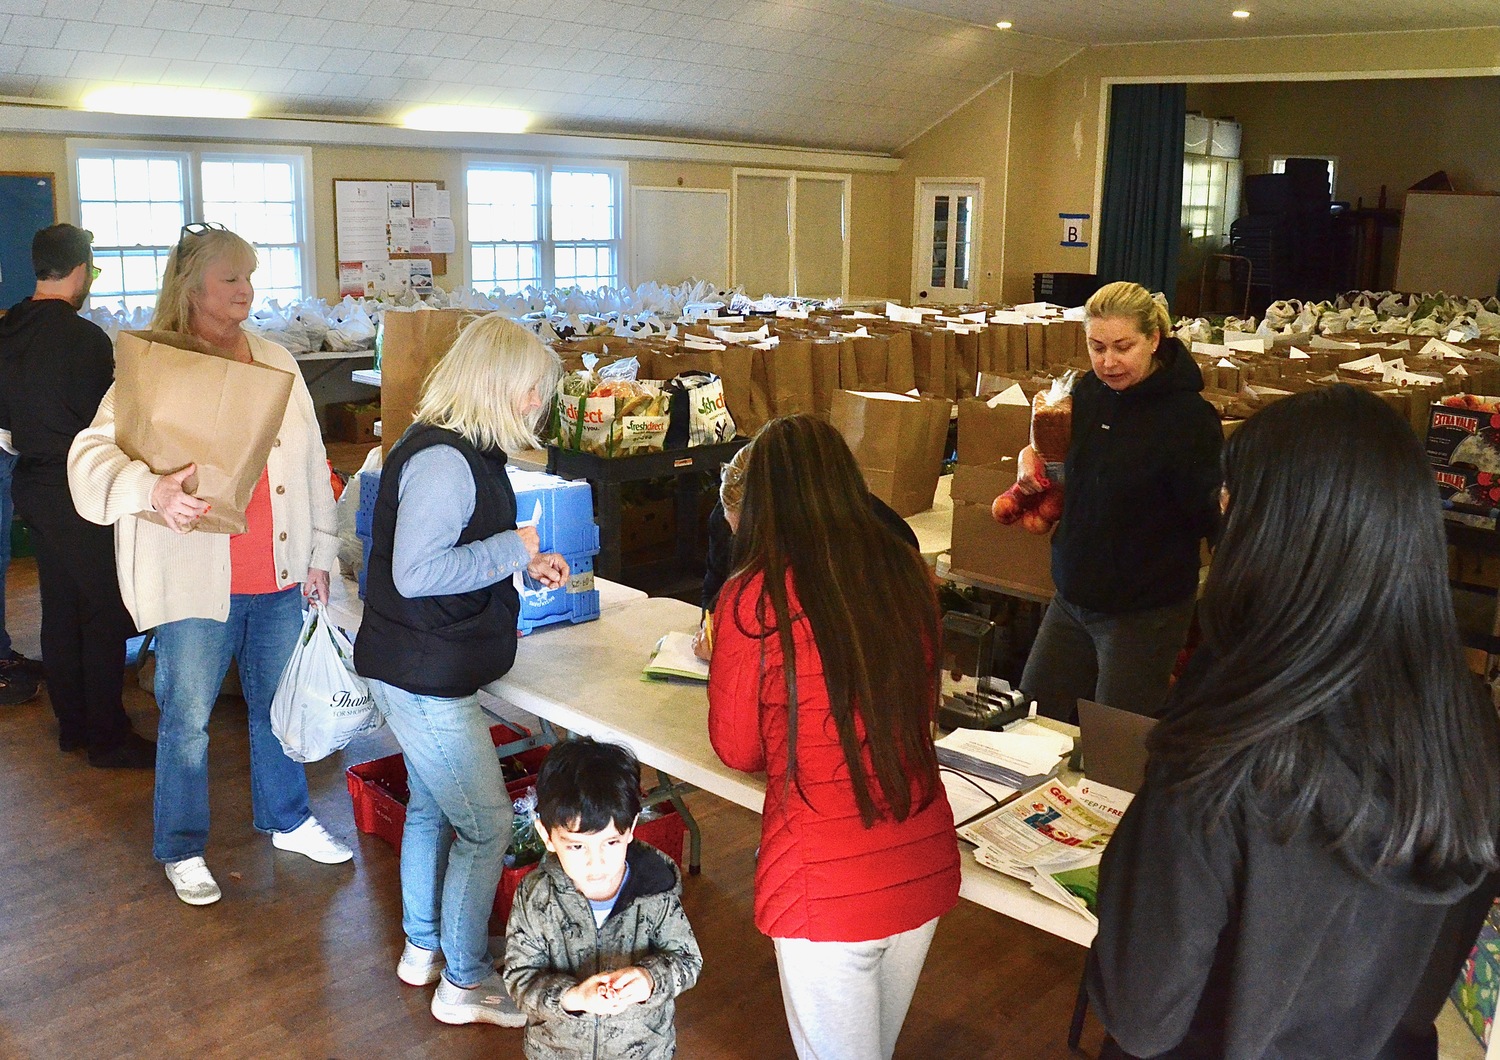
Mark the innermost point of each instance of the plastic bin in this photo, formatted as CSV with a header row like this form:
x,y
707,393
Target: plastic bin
x,y
576,602
379,789
567,518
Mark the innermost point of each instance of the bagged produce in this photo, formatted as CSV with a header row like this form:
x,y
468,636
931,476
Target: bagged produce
x,y
611,417
1052,419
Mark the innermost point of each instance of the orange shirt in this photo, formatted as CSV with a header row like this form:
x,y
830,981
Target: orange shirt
x,y
252,563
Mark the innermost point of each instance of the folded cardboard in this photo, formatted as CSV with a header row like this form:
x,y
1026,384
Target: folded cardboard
x,y
986,434
1007,556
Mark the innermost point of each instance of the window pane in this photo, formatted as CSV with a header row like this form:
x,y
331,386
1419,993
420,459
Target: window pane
x,y
511,196
99,218
589,267
165,179
583,206
132,179
96,178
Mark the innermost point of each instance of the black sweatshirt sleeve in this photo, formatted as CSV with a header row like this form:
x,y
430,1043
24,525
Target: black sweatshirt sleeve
x,y
1163,902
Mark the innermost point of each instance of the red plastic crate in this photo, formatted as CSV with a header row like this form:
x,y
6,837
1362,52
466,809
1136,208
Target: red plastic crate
x,y
379,790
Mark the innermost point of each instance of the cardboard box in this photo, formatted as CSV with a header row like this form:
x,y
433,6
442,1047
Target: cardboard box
x,y
1469,496
986,434
353,421
1451,430
1007,556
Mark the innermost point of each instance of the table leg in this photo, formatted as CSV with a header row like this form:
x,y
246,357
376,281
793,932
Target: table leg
x,y
672,791
607,563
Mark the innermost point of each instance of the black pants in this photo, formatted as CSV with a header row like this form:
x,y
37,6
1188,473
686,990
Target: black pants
x,y
84,623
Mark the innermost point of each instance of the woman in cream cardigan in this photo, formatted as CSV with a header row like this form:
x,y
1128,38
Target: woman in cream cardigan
x,y
213,597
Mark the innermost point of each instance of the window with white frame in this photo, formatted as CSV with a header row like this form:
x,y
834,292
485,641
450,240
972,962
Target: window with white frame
x,y
136,199
543,225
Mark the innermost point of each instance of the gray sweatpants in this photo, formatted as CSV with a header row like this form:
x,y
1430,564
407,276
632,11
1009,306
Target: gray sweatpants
x,y
847,1000
1121,661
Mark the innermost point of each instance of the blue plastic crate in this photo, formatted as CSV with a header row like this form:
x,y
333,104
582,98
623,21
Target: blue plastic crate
x,y
567,518
576,602
364,515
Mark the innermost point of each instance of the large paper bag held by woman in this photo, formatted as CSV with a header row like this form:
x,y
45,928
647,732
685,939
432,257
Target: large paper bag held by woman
x,y
180,401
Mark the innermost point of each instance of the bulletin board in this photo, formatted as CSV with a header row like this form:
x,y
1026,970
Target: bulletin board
x,y
27,204
391,235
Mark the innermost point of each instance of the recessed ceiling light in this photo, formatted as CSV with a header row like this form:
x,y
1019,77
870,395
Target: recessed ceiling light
x,y
168,101
1240,14
1002,25
445,118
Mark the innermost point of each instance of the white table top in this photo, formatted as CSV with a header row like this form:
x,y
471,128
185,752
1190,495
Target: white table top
x,y
587,679
934,527
347,610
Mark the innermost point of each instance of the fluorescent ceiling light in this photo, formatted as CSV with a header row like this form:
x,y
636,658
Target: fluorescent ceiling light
x,y
1240,14
1002,25
443,118
168,101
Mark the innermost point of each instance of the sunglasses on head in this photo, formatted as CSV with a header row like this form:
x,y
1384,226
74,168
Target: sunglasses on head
x,y
197,228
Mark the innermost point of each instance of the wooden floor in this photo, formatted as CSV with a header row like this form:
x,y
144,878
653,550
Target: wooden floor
x,y
99,959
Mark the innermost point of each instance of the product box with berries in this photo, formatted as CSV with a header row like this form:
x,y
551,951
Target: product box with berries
x,y
1463,430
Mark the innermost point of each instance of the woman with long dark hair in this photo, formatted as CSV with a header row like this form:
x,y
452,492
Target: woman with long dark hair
x,y
1306,863
824,676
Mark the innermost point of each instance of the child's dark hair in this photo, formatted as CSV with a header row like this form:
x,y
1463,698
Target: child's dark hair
x,y
585,785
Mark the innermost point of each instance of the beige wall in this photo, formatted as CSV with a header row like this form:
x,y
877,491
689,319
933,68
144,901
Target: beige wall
x,y
869,207
970,144
1054,129
1059,133
1389,132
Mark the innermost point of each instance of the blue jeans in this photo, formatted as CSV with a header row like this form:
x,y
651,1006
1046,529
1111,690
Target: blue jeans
x,y
192,657
448,883
7,515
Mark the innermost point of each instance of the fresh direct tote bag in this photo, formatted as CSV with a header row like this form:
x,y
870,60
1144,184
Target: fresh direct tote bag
x,y
321,703
179,401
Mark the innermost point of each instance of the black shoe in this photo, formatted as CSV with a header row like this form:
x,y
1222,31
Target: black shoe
x,y
133,752
16,663
16,688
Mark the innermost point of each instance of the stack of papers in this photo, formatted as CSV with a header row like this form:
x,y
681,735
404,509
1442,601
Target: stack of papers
x,y
1020,756
1052,838
674,657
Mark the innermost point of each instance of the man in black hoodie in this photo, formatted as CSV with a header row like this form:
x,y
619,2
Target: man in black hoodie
x,y
55,367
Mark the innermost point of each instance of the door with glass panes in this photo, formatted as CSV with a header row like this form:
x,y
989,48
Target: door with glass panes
x,y
947,231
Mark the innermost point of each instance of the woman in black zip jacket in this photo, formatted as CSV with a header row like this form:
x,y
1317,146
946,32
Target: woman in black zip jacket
x,y
1141,491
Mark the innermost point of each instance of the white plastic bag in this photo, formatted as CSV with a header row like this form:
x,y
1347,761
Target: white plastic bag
x,y
321,703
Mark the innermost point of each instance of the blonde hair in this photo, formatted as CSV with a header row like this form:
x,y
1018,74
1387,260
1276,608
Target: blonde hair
x,y
480,388
1125,299
187,268
732,480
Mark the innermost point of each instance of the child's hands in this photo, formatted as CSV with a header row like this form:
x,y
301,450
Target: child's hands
x,y
610,993
631,986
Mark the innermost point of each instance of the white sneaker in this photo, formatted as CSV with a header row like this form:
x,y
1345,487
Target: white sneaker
x,y
194,884
312,840
485,1003
419,967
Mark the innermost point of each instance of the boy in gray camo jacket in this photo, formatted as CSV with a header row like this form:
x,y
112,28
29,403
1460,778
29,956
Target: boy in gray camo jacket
x,y
598,945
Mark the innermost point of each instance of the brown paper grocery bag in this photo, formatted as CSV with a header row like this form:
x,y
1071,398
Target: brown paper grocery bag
x,y
732,365
898,442
966,346
781,378
827,355
412,343
179,401
929,361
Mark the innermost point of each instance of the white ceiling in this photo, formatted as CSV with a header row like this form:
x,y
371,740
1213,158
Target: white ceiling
x,y
861,74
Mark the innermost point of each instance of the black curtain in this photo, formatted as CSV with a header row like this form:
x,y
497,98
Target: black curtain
x,y
1140,228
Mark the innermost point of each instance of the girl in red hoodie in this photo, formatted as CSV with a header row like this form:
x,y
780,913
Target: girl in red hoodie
x,y
824,677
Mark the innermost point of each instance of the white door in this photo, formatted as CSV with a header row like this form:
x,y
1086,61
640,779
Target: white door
x,y
947,231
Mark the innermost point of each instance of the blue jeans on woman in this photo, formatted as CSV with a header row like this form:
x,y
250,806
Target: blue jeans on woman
x,y
448,884
192,657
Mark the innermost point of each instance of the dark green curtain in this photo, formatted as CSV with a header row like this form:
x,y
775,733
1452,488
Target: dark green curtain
x,y
1140,229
